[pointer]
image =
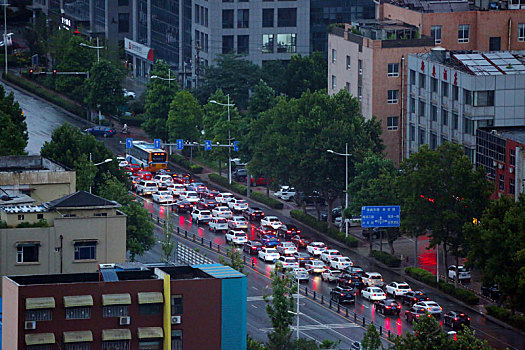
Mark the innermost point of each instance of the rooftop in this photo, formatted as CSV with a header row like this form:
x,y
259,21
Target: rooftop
x,y
11,197
516,134
443,6
28,164
80,199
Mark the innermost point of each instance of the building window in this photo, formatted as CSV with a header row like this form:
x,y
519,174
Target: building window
x,y
150,344
433,113
512,186
393,96
334,55
334,82
455,93
197,14
412,132
39,315
20,217
495,43
444,117
444,89
78,346
412,77
392,123
243,18
467,97
150,309
287,17
434,85
176,305
243,44
123,22
421,136
123,2
512,157
435,32
347,87
114,310
468,126
267,18
484,98
106,214
412,105
227,44
227,18
287,43
455,121
393,69
359,93
176,339
502,182
86,250
348,62
433,141
422,83
463,33
115,345
267,46
422,109
360,66
521,31
40,216
78,313
27,252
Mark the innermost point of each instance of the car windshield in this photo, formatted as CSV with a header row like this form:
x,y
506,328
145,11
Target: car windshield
x,y
376,290
271,250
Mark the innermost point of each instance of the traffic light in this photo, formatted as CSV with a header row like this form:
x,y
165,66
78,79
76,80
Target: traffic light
x,y
54,72
31,71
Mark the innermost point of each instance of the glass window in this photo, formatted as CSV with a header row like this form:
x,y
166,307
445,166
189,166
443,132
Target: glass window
x,y
455,93
150,344
78,346
433,140
422,83
348,62
412,132
463,33
243,44
444,89
393,69
287,43
433,113
512,157
123,2
227,44
392,123
455,121
114,310
287,17
123,22
347,87
227,18
176,305
86,250
267,20
334,82
176,340
435,32
434,85
267,46
78,313
467,97
150,309
334,55
197,14
484,98
360,93
521,31
412,105
39,315
20,217
468,126
502,182
27,252
360,66
421,136
393,96
512,186
444,117
412,77
422,107
243,18
115,345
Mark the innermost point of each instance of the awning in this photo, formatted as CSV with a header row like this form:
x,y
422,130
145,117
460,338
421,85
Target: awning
x,y
116,299
78,336
150,332
78,300
39,338
40,303
116,334
150,298
27,243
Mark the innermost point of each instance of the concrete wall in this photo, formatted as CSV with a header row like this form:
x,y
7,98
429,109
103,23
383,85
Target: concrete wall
x,y
10,306
46,185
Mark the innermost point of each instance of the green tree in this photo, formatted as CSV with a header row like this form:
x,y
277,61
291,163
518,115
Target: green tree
x,y
466,340
103,89
273,73
427,335
305,73
236,259
167,244
262,99
13,133
185,117
85,172
371,339
252,344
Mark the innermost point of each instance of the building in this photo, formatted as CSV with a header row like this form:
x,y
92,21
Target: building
x,y
464,25
71,234
368,59
452,94
122,307
501,152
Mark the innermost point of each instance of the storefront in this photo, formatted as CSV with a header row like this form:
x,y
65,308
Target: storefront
x,y
142,57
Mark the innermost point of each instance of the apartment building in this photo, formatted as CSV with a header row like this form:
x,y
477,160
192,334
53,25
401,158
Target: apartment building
x,y
126,307
453,93
368,59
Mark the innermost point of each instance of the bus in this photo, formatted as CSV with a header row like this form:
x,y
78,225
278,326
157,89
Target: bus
x,y
146,156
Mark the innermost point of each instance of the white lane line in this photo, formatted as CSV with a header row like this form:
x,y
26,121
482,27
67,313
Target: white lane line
x,y
261,297
314,327
253,306
255,288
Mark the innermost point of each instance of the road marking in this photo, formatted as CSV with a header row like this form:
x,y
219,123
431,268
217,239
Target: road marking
x,y
260,297
255,288
254,306
313,327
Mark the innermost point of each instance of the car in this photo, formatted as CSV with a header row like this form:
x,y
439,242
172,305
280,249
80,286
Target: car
x,y
269,254
456,320
340,262
414,296
350,280
373,293
269,241
129,94
252,247
316,248
238,222
222,211
162,178
134,181
145,187
190,196
101,130
354,221
218,224
388,306
201,215
272,221
224,197
238,205
209,193
372,279
330,254
177,189
132,168
286,193
300,274
302,258
315,266
463,273
182,205
336,212
253,214
165,186
240,174
431,307
123,164
355,270
342,295
287,231
236,237
397,288
207,203
145,175
373,232
288,262
265,230
330,275
162,197
415,313
258,181
301,242
286,248
491,290
356,345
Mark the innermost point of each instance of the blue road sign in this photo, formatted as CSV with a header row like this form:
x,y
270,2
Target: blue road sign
x,y
236,146
156,143
380,216
207,145
180,144
129,143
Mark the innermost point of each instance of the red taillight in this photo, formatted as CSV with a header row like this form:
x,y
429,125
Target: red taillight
x,y
455,318
388,307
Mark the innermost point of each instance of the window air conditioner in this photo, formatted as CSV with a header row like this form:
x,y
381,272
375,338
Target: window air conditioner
x,y
30,325
125,320
175,319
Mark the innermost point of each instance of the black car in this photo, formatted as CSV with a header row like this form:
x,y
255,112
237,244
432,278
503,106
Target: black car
x,y
342,295
413,296
414,313
252,247
100,130
311,199
302,258
253,214
355,270
288,231
491,291
388,306
183,206
348,280
455,320
207,203
374,232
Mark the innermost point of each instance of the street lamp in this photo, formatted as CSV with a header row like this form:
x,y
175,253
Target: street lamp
x,y
5,4
229,137
97,164
346,155
297,313
94,47
169,79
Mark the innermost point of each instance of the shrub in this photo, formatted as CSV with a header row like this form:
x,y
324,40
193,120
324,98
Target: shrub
x,y
271,202
39,223
387,259
506,316
180,160
197,169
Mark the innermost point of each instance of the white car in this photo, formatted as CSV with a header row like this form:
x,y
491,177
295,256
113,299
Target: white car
x,y
269,254
190,196
286,248
224,198
286,193
123,163
300,274
288,262
341,262
330,275
330,254
431,307
129,94
463,273
397,288
177,189
217,224
236,237
238,204
238,222
145,187
315,266
222,212
372,279
373,293
272,221
200,216
316,248
162,197
163,178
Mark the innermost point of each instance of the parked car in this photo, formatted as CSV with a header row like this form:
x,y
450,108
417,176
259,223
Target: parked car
x,y
272,221
300,274
288,262
330,275
238,222
286,193
101,130
342,295
350,280
397,288
414,296
373,293
222,212
302,258
356,346
492,291
183,206
388,306
315,266
316,248
456,320
200,215
218,224
252,247
431,307
341,262
372,279
129,94
415,313
463,273
269,254
288,231
286,248
330,254
238,205
253,214
311,199
240,175
236,237
269,241
301,241
162,197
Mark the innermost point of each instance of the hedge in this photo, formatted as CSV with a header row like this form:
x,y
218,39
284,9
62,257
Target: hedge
x,y
428,278
506,316
186,164
271,202
386,258
132,121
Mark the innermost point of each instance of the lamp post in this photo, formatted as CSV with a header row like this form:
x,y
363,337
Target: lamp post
x,y
169,79
297,313
346,155
97,164
5,4
229,137
94,47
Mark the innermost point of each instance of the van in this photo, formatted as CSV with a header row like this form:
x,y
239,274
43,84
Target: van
x,y
372,279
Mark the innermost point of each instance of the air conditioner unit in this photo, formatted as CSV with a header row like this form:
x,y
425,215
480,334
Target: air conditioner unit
x,y
511,170
500,165
30,325
361,71
175,319
125,320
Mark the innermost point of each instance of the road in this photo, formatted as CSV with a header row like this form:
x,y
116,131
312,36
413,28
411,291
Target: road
x,y
323,324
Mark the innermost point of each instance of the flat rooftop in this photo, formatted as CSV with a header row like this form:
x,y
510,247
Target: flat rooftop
x,y
516,134
28,164
444,6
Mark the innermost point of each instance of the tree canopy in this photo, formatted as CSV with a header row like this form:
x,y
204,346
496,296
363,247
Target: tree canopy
x,y
103,88
305,73
13,133
185,117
